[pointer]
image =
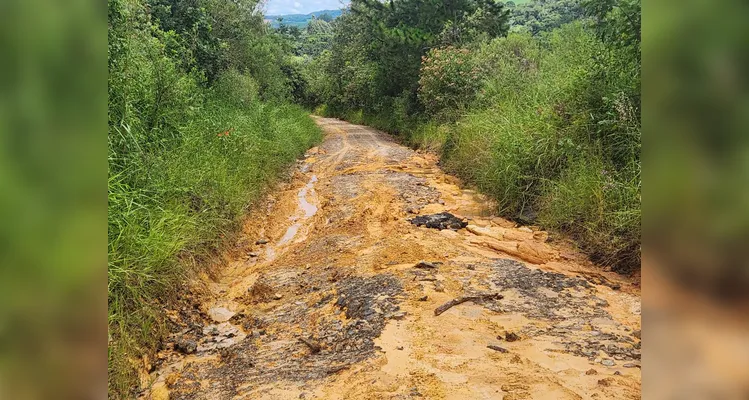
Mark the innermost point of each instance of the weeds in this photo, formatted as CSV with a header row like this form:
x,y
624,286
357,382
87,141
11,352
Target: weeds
x,y
186,160
553,135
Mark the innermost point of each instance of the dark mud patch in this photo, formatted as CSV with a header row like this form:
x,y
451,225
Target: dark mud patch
x,y
439,221
341,316
577,316
546,295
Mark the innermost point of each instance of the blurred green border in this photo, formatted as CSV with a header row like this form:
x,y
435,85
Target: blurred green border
x,y
53,174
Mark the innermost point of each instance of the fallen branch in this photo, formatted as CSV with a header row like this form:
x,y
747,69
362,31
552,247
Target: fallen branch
x,y
314,347
454,302
425,265
497,348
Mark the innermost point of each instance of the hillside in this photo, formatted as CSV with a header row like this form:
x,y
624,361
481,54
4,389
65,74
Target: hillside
x,y
300,20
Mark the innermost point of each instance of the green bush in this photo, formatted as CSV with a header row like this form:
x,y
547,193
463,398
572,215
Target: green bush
x,y
448,82
558,141
186,159
601,207
240,90
430,136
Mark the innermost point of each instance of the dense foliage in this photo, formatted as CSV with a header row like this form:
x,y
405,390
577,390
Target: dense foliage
x,y
197,129
544,15
546,119
448,82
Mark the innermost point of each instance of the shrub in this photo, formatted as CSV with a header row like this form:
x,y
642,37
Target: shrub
x,y
558,140
449,80
240,90
601,207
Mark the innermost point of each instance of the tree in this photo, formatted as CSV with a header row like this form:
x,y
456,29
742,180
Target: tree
x,y
377,47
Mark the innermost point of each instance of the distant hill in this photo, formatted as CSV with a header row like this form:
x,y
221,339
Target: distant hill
x,y
300,20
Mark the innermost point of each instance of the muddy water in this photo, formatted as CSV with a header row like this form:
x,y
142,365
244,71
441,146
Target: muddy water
x,y
332,306
307,200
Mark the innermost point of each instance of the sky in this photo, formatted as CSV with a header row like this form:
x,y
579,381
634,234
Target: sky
x,y
282,7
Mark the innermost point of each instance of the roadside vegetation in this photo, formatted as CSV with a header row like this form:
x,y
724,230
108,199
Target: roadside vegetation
x,y
536,103
200,123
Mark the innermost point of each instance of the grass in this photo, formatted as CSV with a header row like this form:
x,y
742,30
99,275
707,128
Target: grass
x,y
187,158
178,203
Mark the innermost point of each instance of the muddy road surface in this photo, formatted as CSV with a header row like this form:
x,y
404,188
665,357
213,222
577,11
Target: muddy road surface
x,y
332,290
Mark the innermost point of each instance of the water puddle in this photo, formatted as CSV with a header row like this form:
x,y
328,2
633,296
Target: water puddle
x,y
290,233
307,209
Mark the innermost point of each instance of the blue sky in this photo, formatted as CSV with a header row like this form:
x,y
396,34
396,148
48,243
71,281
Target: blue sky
x,y
281,7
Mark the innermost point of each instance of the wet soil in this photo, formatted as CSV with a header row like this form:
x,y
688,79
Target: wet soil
x,y
331,292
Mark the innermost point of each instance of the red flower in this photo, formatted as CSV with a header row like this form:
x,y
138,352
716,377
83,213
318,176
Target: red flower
x,y
225,133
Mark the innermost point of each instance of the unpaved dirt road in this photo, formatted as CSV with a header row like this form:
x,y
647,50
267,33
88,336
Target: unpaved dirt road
x,y
339,272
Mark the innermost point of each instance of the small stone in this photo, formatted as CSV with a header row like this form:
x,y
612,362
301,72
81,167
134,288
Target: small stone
x,y
617,373
423,298
226,354
438,287
262,241
397,315
607,362
591,372
637,334
186,346
630,365
511,337
277,296
604,382
253,254
220,314
399,348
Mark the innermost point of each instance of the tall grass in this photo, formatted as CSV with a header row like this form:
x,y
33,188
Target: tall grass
x,y
556,139
553,135
186,161
177,205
